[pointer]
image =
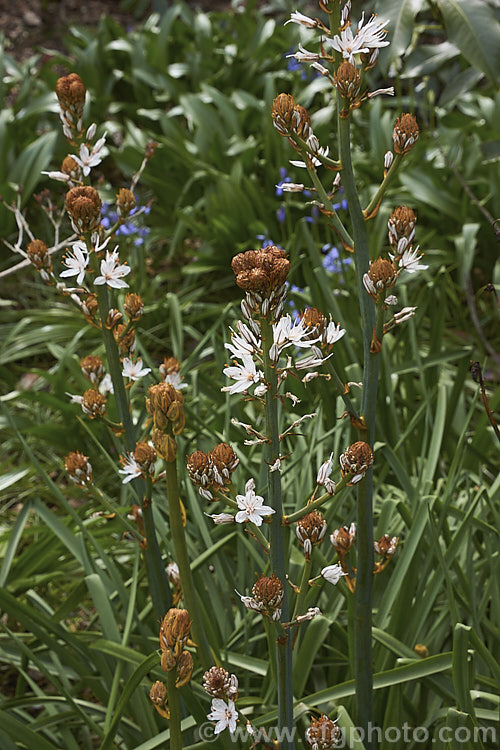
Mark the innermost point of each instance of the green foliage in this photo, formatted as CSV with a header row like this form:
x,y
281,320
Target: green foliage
x,y
78,641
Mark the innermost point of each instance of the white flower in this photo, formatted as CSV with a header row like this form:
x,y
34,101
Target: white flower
x,y
251,506
333,573
325,470
304,55
320,68
225,714
220,518
134,371
88,159
333,333
311,613
368,36
244,375
244,342
173,571
409,261
388,159
74,399
106,385
291,187
316,162
405,314
391,300
297,17
59,176
175,379
298,333
131,469
76,262
112,272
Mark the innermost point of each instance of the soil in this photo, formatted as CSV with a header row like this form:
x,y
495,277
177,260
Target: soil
x,y
28,25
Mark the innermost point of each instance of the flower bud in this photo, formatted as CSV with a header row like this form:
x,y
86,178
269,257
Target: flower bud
x,y
323,733
282,110
405,133
224,461
133,306
347,81
355,461
145,457
93,403
125,203
343,538
268,593
165,446
310,531
92,368
184,669
83,205
71,168
220,684
38,254
78,467
158,697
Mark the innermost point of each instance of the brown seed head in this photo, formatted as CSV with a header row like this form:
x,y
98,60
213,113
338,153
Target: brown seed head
x,y
184,669
405,133
38,254
268,591
314,318
343,538
421,650
310,531
92,368
261,271
124,338
174,630
70,92
356,460
169,366
151,147
401,225
200,468
383,274
94,403
225,461
70,167
145,457
165,446
282,110
90,306
158,697
347,81
386,545
220,684
133,306
323,733
125,202
78,467
84,208
301,121
113,318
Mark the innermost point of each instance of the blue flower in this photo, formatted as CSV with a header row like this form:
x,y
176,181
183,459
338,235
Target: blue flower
x,y
332,261
280,214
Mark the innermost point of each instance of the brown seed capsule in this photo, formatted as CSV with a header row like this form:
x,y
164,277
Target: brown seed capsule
x,y
347,81
323,733
382,275
38,254
70,92
310,531
282,110
224,461
78,467
421,650
356,460
93,403
184,669
268,592
401,226
83,205
90,306
125,202
145,457
220,684
261,271
92,368
405,133
158,697
200,468
169,366
386,545
165,446
301,122
343,538
124,338
71,167
314,318
174,630
133,306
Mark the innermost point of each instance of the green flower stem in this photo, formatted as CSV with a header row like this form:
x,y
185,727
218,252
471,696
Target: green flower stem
x,y
303,589
278,551
363,608
182,560
340,386
175,712
157,576
323,195
373,204
287,520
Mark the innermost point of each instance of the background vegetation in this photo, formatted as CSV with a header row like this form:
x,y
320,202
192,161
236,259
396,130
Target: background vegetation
x,y
78,640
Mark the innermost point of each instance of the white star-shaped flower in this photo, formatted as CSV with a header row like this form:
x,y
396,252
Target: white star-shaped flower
x,y
175,379
88,159
225,714
244,375
251,506
111,272
409,261
333,573
297,17
244,342
134,370
286,332
333,333
76,262
131,469
368,36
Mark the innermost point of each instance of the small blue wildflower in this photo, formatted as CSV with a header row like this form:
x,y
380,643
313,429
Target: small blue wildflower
x,y
294,64
264,240
343,203
283,178
281,214
332,261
